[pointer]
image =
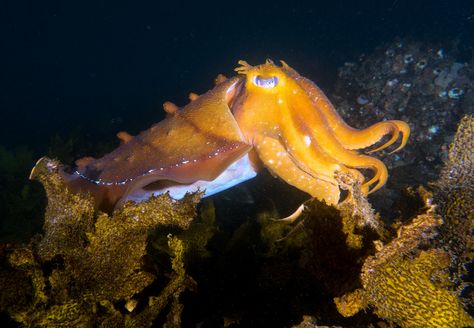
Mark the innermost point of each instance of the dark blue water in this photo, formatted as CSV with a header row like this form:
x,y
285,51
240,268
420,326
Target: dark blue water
x,y
105,66
74,73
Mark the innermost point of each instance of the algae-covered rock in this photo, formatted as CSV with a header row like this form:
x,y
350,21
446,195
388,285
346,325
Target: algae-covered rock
x,y
454,192
413,280
88,268
326,244
459,169
408,286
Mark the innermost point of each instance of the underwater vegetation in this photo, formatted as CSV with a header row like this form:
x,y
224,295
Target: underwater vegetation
x,y
21,201
414,279
221,262
412,273
159,263
407,285
87,262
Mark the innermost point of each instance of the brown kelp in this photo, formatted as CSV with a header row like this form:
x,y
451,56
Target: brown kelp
x,y
89,268
132,267
415,279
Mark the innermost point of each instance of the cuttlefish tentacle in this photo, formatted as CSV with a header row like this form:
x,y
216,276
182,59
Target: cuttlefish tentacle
x,y
350,137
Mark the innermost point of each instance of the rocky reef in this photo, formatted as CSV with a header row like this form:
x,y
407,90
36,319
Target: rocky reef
x,y
429,86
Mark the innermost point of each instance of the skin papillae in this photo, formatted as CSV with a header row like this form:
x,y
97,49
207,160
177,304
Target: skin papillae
x,y
270,113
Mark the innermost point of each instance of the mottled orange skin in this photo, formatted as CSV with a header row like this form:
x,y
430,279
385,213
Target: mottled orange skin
x,y
290,127
299,136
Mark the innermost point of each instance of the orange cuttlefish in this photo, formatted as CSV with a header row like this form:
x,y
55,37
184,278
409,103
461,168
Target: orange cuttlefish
x,y
266,116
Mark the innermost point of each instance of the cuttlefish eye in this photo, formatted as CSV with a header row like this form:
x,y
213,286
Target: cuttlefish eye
x,y
266,83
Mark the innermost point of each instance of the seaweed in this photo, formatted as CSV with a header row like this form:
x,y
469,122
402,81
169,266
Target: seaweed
x,y
407,285
89,268
416,279
133,267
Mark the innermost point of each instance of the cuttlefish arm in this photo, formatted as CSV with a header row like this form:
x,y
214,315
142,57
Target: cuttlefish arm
x,y
350,137
312,143
268,115
299,136
195,143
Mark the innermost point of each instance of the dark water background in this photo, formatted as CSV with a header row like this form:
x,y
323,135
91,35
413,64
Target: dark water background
x,y
74,73
100,67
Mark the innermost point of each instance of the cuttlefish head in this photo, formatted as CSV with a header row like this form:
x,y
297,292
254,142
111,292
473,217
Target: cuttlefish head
x,y
264,93
299,136
263,79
